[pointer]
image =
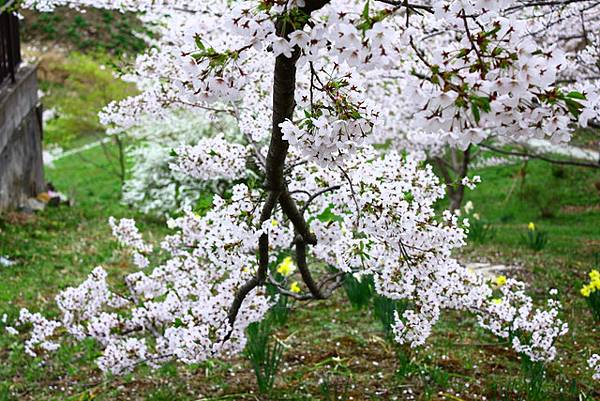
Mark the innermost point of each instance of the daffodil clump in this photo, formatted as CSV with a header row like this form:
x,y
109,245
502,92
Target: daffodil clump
x,y
286,268
591,292
534,239
496,283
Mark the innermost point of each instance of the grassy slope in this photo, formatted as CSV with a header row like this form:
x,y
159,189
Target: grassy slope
x,y
569,192
77,86
327,341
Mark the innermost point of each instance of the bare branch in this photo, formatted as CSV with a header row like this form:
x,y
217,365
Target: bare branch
x,y
347,177
541,157
407,5
263,265
316,195
303,267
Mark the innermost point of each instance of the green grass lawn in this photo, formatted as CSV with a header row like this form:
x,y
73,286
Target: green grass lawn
x,y
330,348
567,195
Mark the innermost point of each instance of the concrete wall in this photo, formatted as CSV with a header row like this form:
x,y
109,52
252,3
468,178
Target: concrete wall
x,y
21,165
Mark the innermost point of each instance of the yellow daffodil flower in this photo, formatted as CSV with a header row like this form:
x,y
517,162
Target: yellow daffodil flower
x,y
531,226
586,290
294,287
500,281
286,267
593,285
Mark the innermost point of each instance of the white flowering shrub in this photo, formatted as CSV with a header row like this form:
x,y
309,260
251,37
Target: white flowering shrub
x,y
152,186
312,85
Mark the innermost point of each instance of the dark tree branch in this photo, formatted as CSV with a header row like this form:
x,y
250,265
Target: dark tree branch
x,y
542,157
289,207
263,264
316,195
284,86
285,291
463,169
347,177
526,4
303,267
444,167
407,5
314,5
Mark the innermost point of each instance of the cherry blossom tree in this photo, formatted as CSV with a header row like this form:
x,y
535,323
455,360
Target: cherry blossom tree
x,y
325,94
565,27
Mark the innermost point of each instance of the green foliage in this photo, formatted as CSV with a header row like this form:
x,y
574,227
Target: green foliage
x,y
204,204
328,216
591,293
87,87
574,106
359,290
405,364
334,387
593,302
543,198
264,351
534,378
384,309
575,206
558,172
168,369
216,60
5,392
264,355
96,30
480,230
534,239
479,103
280,312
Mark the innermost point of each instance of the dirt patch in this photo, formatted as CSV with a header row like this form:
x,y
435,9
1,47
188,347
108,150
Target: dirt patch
x,y
17,218
575,209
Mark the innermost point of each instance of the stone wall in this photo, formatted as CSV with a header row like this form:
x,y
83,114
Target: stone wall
x,y
21,165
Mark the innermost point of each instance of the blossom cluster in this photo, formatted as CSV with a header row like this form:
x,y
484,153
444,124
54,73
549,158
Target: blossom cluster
x,y
211,159
385,226
342,106
182,303
460,70
594,364
511,314
42,330
129,236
